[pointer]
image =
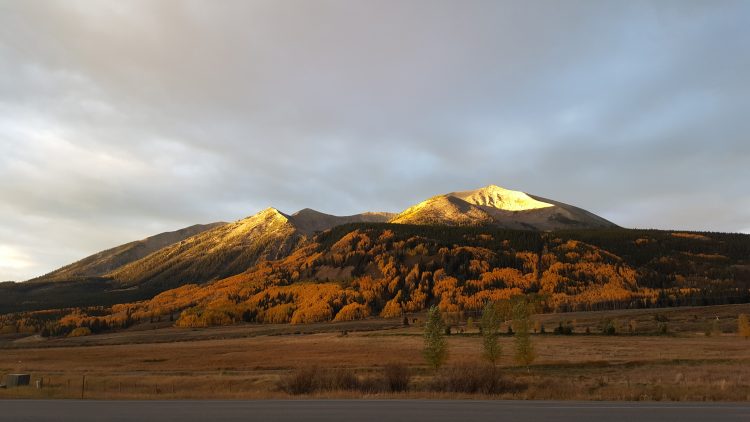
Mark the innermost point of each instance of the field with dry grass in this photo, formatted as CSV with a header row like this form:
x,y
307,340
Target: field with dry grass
x,y
254,361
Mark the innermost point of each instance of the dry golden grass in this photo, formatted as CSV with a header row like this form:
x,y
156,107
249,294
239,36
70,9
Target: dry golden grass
x,y
690,366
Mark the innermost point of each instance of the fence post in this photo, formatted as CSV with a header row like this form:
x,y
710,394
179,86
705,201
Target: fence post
x,y
83,386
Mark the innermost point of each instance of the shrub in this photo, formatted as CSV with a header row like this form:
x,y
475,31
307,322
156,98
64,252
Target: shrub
x,y
397,377
743,326
8,329
632,325
712,327
472,378
661,318
80,332
300,381
609,328
337,379
564,329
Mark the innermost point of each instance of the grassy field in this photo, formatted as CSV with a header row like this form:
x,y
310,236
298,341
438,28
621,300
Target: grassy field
x,y
254,361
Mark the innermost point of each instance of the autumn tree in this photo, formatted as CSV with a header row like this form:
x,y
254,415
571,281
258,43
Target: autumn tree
x,y
490,326
435,347
743,326
525,353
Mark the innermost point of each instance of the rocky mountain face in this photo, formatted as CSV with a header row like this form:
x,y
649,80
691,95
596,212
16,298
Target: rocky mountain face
x,y
105,261
213,254
496,206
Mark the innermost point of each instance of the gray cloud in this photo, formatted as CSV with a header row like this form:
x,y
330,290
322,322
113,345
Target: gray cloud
x,y
122,119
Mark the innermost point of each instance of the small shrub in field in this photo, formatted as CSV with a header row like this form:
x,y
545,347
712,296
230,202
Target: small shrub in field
x,y
609,328
8,329
397,377
743,326
564,329
312,379
661,318
337,379
80,332
300,381
712,328
472,378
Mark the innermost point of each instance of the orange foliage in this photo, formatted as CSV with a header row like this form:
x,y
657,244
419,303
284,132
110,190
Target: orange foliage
x,y
393,308
352,312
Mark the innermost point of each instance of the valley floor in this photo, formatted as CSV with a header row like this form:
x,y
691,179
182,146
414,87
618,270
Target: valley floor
x,y
249,362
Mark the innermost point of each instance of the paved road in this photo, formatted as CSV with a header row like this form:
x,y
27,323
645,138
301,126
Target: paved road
x,y
367,410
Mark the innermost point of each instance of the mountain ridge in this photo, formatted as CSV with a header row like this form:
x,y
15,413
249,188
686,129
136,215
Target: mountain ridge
x,y
494,205
109,259
271,233
228,249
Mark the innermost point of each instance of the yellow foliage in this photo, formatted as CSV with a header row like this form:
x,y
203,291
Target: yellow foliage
x,y
80,332
313,312
352,312
393,308
278,314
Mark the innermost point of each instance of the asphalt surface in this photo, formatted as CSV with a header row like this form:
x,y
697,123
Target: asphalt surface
x,y
367,410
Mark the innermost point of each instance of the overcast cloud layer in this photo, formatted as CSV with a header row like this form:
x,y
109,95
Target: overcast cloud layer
x,y
123,119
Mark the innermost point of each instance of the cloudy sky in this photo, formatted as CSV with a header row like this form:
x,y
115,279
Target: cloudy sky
x,y
119,120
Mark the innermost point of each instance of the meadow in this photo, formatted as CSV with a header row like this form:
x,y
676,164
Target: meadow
x,y
694,359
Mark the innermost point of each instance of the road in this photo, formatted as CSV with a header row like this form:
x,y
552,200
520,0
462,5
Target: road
x,y
367,410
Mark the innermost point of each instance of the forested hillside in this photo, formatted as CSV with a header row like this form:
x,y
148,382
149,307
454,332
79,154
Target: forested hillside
x,y
358,270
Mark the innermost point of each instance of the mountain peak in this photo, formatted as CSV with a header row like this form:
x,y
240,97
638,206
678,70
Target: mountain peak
x,y
271,212
494,196
498,206
444,209
307,211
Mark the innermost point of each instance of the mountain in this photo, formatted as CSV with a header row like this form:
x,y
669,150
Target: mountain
x,y
362,269
200,254
220,252
456,250
140,270
109,260
444,210
310,221
232,248
496,206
